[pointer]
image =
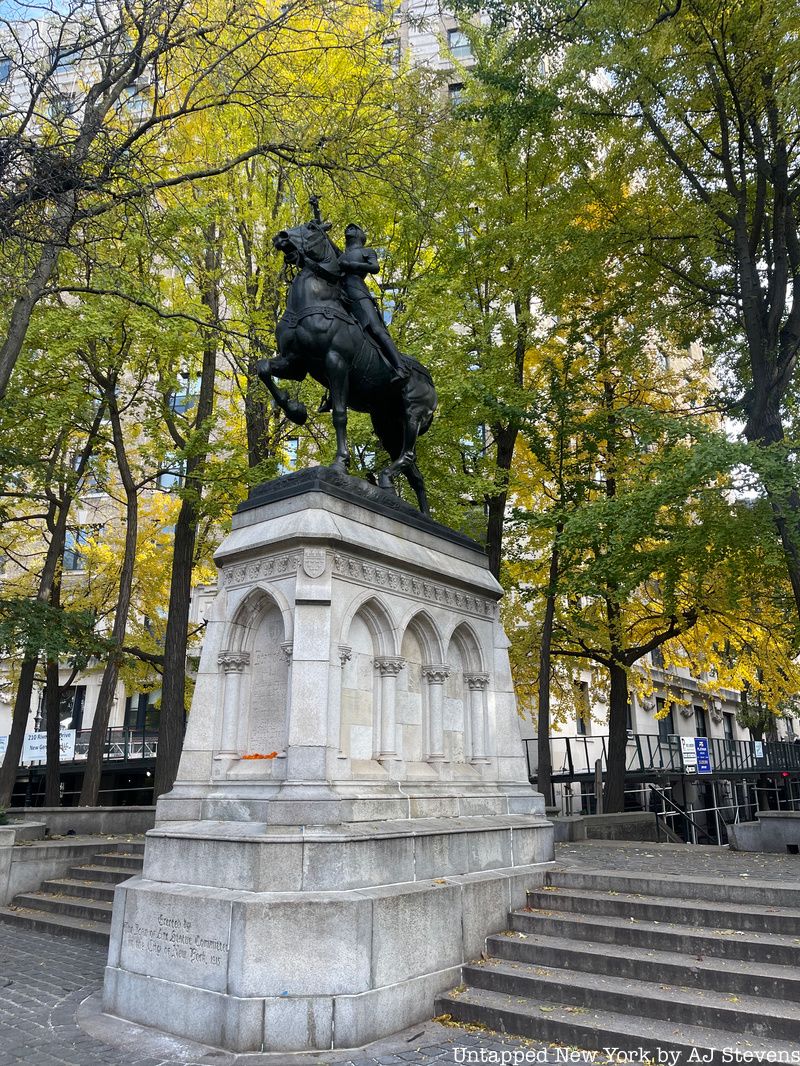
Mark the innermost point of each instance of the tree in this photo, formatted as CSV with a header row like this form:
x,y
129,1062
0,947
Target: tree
x,y
697,102
139,78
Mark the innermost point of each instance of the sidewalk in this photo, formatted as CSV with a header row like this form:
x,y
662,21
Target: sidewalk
x,y
44,980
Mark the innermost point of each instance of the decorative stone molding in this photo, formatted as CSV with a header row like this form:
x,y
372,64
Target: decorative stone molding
x,y
477,681
345,654
410,585
687,712
260,569
436,674
389,665
233,661
286,650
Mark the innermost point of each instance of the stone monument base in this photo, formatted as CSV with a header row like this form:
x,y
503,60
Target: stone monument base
x,y
352,815
360,927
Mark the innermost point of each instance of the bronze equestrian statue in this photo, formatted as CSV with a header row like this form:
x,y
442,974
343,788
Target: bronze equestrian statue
x,y
332,329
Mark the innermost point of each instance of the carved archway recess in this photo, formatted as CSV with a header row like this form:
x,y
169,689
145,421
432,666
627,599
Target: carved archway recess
x,y
239,630
367,632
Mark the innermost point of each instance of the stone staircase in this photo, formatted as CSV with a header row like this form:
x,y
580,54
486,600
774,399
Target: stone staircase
x,y
79,905
599,959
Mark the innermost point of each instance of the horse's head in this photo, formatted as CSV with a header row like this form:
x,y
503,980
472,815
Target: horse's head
x,y
309,245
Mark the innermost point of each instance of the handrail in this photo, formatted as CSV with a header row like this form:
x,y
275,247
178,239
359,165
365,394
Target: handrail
x,y
679,810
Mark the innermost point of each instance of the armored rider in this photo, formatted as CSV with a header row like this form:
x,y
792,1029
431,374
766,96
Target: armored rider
x,y
356,261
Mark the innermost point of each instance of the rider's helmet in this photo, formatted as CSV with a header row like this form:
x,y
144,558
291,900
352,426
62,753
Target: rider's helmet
x,y
354,234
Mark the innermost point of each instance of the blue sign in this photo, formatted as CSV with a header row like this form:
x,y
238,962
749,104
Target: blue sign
x,y
703,755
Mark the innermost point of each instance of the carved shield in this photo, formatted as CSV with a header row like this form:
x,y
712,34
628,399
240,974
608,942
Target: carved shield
x,y
314,561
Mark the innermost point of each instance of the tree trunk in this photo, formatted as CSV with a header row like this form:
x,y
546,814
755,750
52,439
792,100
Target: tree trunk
x,y
173,692
19,719
90,790
544,772
52,708
24,304
57,521
505,438
614,793
256,417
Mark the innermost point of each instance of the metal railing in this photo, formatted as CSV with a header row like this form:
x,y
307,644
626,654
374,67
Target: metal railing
x,y
120,744
648,753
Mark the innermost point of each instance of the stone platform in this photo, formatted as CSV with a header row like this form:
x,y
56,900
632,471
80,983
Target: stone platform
x,y
352,814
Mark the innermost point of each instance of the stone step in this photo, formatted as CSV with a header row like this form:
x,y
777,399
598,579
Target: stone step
x,y
111,874
65,886
673,911
94,910
646,999
601,929
719,890
60,925
120,860
596,1030
640,963
128,847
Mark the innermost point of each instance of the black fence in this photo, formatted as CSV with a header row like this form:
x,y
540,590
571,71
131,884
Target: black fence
x,y
575,757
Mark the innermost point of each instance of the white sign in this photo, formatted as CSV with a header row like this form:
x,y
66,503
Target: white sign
x,y
3,745
689,753
759,749
35,747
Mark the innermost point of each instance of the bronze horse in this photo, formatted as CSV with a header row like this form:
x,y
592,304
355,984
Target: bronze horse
x,y
317,335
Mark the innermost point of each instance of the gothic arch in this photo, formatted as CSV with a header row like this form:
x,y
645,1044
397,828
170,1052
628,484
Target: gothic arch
x,y
466,640
424,629
240,630
379,623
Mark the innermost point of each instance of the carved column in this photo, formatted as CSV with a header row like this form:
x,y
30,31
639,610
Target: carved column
x,y
477,685
436,676
287,647
345,655
233,664
389,666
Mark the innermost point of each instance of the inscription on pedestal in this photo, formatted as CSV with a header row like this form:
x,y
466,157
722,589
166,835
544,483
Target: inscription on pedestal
x,y
164,937
177,938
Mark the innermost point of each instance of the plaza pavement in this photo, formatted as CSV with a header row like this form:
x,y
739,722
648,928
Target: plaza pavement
x,y
44,980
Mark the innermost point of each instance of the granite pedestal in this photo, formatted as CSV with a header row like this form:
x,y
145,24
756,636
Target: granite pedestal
x,y
352,815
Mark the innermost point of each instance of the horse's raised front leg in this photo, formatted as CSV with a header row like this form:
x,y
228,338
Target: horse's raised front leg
x,y
338,381
295,410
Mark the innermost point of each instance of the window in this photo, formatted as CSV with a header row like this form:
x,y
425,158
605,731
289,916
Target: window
x,y
73,542
63,57
657,658
391,47
5,69
143,711
700,722
583,717
728,726
666,725
172,475
459,44
455,93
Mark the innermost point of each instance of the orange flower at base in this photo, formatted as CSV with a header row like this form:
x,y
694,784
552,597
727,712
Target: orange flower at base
x,y
259,755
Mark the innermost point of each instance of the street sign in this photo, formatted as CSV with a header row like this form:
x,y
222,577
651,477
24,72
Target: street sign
x,y
696,756
759,749
689,753
3,745
703,755
35,747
